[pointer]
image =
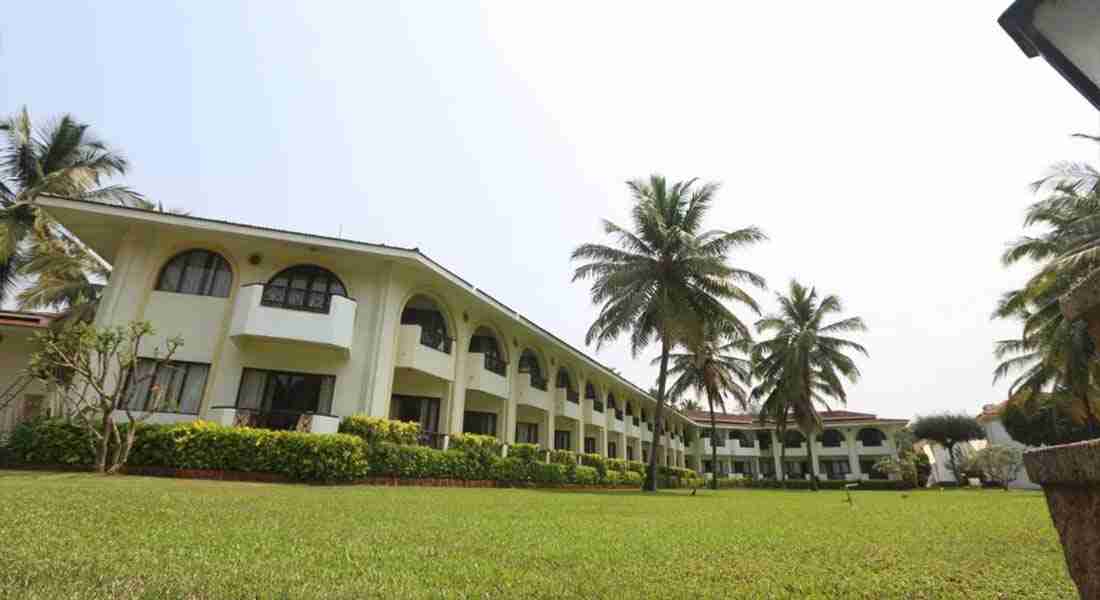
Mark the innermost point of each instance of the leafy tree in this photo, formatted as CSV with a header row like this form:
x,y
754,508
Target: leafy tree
x,y
804,364
663,275
948,430
902,466
59,157
1043,421
713,366
999,463
94,372
1054,358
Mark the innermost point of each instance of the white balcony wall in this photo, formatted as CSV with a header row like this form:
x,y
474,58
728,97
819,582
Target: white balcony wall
x,y
565,408
614,424
481,379
411,354
529,395
333,329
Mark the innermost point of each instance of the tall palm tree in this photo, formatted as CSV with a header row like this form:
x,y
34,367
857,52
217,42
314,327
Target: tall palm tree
x,y
664,274
61,157
711,365
1055,357
804,361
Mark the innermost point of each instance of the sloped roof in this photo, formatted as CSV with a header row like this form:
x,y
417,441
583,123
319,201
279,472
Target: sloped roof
x,y
702,417
35,320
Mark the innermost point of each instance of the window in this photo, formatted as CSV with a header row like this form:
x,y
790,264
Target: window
x,y
529,363
590,445
304,287
793,439
629,452
179,383
831,438
562,439
871,437
197,272
416,409
835,469
281,391
527,433
765,440
612,450
482,423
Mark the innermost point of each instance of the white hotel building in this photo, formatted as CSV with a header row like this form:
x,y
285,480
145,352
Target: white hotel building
x,y
289,330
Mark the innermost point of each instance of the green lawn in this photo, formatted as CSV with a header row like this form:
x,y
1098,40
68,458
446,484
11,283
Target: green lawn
x,y
83,536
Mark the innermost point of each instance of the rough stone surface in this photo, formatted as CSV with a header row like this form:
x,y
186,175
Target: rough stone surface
x,y
1070,476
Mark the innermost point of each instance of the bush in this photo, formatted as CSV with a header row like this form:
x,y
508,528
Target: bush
x,y
563,457
513,470
613,478
636,467
616,464
374,430
526,452
553,474
476,443
50,442
586,476
596,462
633,478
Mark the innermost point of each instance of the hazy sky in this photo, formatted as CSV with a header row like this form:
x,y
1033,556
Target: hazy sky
x,y
884,147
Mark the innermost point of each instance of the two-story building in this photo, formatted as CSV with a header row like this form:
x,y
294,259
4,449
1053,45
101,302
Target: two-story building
x,y
291,330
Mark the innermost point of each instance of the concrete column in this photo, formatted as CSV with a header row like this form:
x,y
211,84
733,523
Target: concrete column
x,y
510,404
815,464
578,445
853,458
457,391
551,423
776,449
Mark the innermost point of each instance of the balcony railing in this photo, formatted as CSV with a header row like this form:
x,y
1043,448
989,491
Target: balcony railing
x,y
496,365
597,406
572,396
436,340
618,415
538,382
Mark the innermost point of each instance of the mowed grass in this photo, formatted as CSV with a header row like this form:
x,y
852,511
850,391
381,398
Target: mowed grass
x,y
84,536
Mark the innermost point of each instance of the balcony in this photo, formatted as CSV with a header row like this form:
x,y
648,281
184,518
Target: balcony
x,y
593,412
823,450
647,433
615,420
884,448
745,449
531,391
630,426
487,373
425,351
332,327
567,403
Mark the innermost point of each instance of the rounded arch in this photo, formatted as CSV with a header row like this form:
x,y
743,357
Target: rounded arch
x,y
793,438
590,391
564,379
628,406
831,438
429,313
486,339
871,436
303,287
765,440
531,361
736,434
612,402
196,271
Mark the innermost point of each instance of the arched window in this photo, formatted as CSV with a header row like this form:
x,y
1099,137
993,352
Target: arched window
x,y
529,363
485,342
590,391
303,287
197,272
831,438
735,434
871,437
793,439
765,441
611,401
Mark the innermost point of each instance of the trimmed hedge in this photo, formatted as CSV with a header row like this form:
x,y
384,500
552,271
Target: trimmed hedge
x,y
340,457
826,484
473,442
375,430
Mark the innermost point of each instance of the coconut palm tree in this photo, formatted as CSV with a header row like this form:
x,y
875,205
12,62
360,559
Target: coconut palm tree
x,y
664,274
61,157
1055,358
712,366
804,364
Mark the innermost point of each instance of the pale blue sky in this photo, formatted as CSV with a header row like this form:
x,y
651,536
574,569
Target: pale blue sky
x,y
884,147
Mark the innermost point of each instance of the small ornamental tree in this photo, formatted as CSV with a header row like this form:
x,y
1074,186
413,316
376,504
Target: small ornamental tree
x,y
95,372
948,430
902,466
999,463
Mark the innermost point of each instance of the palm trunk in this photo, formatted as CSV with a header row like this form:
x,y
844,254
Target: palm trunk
x,y
810,452
713,446
650,484
782,431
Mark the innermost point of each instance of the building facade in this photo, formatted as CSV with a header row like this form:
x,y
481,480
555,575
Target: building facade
x,y
288,330
21,397
846,449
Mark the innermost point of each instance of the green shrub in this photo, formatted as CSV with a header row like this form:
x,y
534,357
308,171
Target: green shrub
x,y
586,476
374,430
596,462
513,470
636,466
474,442
50,442
613,478
527,452
633,478
616,464
549,473
563,457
